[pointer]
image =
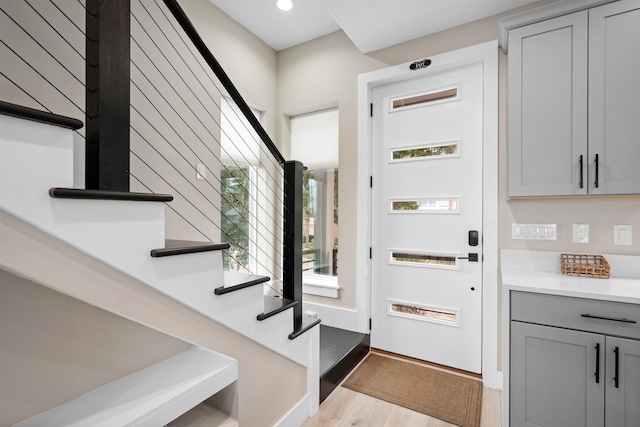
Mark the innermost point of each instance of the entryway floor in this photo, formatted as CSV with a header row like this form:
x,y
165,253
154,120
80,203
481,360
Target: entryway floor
x,y
346,407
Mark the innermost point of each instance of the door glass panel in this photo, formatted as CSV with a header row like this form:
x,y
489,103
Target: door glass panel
x,y
425,98
425,205
426,151
422,312
423,259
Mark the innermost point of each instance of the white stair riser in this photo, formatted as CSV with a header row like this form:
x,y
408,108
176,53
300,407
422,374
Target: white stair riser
x,y
35,157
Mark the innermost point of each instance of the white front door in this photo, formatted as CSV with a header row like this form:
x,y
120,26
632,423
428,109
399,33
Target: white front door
x,y
427,214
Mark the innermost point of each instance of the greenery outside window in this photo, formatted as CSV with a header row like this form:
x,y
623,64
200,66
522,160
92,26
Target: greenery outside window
x,y
240,155
314,142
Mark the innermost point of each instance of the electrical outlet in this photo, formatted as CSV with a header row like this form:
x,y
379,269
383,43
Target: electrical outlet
x,y
580,233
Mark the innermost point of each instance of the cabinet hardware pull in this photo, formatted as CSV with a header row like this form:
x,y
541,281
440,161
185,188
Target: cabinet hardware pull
x,y
581,173
615,378
613,319
598,363
596,161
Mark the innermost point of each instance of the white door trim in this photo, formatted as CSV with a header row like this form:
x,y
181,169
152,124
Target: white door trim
x,y
487,54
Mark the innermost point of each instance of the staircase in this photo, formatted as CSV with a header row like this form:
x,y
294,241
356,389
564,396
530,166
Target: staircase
x,y
126,231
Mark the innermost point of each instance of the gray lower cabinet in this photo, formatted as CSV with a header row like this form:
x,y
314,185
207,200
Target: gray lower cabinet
x,y
553,379
623,387
563,377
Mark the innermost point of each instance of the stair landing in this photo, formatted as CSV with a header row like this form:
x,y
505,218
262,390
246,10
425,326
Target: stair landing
x,y
340,353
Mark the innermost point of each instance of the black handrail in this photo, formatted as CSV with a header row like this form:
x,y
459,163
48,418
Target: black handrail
x,y
191,32
14,110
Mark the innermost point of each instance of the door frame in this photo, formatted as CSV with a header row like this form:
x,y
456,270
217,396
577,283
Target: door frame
x,y
487,55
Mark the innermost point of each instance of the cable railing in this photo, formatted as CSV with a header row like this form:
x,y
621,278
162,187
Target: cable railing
x,y
179,119
191,133
42,56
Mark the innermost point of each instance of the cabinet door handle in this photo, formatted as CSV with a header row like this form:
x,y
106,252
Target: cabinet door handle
x,y
612,319
616,351
598,363
581,172
596,163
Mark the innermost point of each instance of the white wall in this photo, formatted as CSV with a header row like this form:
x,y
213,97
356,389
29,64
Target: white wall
x,y
55,348
308,79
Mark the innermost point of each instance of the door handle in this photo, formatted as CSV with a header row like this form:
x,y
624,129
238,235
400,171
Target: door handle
x,y
596,164
473,257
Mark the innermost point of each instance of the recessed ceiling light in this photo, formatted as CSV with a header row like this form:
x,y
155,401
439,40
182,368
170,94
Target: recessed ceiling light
x,y
284,4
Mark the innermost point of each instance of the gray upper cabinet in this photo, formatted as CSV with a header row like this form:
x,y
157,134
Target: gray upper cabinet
x,y
614,98
547,101
574,103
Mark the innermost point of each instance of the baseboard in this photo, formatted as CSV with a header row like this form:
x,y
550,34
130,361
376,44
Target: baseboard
x,y
334,316
492,379
296,415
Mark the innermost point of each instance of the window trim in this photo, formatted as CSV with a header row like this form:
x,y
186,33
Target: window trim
x,y
321,285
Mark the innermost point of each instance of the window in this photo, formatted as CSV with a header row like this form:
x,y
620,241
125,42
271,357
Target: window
x,y
240,155
314,142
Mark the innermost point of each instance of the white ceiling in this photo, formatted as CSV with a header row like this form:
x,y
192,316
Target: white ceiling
x,y
370,24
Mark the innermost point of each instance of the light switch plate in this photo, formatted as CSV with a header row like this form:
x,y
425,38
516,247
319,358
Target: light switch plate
x,y
201,171
534,232
622,235
580,233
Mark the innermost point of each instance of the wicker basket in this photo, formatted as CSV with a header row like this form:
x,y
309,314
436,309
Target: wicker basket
x,y
585,265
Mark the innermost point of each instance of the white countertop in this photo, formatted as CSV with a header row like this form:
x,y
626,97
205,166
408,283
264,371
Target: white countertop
x,y
539,272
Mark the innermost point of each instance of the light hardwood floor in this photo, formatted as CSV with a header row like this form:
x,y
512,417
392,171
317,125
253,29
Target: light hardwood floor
x,y
345,407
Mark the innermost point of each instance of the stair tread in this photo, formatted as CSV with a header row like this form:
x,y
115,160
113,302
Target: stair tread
x,y
79,193
306,324
179,247
204,415
159,393
234,281
19,111
275,305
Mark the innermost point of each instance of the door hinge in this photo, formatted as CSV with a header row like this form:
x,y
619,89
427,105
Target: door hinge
x,y
371,181
369,323
370,253
371,109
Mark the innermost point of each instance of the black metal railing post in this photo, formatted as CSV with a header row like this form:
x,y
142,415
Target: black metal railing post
x,y
292,239
107,95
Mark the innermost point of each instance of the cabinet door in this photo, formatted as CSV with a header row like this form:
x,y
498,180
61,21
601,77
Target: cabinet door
x,y
547,107
614,98
622,396
553,377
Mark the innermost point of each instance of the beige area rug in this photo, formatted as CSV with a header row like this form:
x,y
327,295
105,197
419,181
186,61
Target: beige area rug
x,y
449,397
